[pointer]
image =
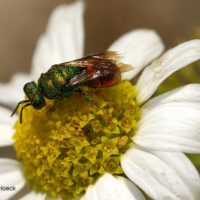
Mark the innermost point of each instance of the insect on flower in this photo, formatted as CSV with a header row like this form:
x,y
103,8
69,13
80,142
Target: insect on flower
x,y
62,80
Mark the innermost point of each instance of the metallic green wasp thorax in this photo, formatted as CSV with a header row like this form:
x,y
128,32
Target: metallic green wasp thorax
x,y
53,81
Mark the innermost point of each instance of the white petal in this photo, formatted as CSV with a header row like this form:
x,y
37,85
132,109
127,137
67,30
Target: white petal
x,y
162,175
130,187
33,196
184,168
12,92
174,126
160,69
138,48
109,187
10,176
6,127
187,93
63,39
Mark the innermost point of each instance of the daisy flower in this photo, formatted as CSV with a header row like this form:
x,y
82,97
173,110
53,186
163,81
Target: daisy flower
x,y
127,144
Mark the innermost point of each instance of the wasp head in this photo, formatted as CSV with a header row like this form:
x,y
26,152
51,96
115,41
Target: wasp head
x,y
35,98
34,95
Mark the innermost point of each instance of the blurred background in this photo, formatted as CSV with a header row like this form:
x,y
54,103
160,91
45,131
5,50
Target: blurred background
x,y
22,22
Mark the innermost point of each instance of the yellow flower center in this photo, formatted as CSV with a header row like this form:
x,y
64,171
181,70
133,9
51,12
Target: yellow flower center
x,y
65,147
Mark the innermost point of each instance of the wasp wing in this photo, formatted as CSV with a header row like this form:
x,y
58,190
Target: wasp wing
x,y
108,59
97,66
83,77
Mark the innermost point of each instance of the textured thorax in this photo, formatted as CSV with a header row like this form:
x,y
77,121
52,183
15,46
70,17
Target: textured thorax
x,y
52,82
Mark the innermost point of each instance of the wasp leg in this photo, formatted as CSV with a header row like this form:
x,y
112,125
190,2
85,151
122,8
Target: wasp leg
x,y
21,112
84,94
69,93
56,100
14,111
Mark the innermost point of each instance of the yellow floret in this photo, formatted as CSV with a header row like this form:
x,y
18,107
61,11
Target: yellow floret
x,y
65,147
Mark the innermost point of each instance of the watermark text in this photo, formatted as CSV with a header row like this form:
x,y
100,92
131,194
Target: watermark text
x,y
7,188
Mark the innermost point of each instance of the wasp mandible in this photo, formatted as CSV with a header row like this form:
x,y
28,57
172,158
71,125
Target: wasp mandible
x,y
62,80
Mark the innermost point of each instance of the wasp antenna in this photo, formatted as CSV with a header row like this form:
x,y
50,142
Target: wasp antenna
x,y
21,112
21,102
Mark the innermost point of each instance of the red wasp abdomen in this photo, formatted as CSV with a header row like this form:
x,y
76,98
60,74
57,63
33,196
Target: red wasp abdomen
x,y
105,81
